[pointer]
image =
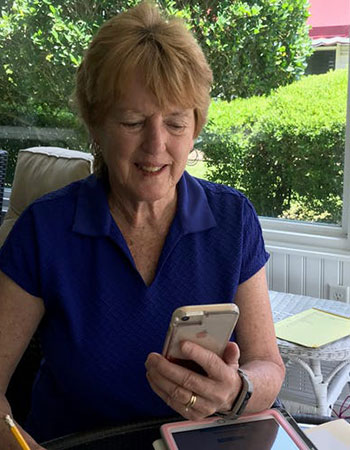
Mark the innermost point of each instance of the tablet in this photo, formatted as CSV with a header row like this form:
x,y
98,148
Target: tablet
x,y
270,430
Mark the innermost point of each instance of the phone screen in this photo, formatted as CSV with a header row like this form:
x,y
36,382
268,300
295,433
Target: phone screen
x,y
189,364
258,435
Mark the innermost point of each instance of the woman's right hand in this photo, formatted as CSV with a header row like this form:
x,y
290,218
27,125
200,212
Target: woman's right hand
x,y
7,439
9,442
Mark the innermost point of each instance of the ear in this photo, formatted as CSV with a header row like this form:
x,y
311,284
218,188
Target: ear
x,y
94,136
197,129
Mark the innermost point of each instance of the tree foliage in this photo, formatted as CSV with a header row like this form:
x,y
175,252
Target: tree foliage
x,y
252,46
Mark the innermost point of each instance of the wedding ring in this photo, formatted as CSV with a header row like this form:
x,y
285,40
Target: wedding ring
x,y
191,402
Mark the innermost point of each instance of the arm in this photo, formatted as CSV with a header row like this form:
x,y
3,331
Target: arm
x,y
260,358
20,315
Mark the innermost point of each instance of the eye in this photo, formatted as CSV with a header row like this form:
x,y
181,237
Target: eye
x,y
176,126
132,125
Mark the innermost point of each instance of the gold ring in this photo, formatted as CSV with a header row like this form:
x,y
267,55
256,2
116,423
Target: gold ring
x,y
191,402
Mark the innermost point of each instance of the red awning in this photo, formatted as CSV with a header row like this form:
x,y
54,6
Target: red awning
x,y
329,19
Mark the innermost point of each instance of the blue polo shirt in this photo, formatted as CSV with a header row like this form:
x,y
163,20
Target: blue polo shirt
x,y
101,319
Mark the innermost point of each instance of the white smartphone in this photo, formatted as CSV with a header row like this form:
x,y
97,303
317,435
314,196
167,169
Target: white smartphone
x,y
269,430
210,326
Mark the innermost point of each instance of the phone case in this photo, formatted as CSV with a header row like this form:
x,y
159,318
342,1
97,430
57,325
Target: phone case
x,y
210,326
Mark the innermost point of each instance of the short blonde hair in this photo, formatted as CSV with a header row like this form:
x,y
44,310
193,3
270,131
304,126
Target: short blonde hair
x,y
143,41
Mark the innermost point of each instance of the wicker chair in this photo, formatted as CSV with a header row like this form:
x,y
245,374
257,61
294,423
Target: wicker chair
x,y
3,165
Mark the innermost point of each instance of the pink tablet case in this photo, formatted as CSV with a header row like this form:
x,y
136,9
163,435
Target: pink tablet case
x,y
167,428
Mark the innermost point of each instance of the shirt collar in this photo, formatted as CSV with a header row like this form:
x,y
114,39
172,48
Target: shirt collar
x,y
194,210
93,217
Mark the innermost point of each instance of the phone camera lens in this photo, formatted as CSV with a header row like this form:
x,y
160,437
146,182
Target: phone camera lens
x,y
184,318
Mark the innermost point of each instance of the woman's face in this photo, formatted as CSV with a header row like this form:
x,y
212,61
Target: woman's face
x,y
144,147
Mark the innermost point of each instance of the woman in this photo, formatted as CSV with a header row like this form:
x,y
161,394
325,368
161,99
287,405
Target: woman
x,y
100,265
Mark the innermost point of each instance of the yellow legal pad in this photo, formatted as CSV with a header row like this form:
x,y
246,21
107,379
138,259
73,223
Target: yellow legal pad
x,y
313,328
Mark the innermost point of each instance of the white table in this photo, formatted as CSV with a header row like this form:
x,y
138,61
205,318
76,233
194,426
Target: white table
x,y
327,386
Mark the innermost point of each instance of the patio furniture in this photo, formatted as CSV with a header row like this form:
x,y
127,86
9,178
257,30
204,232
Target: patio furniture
x,y
3,165
315,377
39,170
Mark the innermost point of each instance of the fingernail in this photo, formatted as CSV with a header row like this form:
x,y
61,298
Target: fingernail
x,y
185,346
152,358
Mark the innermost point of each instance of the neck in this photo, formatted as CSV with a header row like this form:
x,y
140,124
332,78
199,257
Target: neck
x,y
142,213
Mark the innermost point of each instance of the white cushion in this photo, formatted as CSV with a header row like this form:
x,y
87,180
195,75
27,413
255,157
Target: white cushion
x,y
40,170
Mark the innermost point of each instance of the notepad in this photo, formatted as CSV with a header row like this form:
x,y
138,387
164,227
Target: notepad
x,y
313,328
159,445
331,435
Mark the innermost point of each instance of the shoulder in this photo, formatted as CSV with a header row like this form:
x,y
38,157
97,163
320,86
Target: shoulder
x,y
222,196
219,189
63,202
51,212
63,196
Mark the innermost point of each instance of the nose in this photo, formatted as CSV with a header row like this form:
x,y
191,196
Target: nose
x,y
154,136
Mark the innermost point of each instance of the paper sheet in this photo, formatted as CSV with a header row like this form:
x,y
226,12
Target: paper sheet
x,y
159,445
330,435
313,328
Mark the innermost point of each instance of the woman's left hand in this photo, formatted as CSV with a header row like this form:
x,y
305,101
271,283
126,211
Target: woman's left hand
x,y
176,385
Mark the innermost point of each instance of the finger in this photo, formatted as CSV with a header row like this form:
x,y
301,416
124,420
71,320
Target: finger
x,y
215,392
172,391
231,355
157,366
214,366
192,413
174,394
179,382
171,370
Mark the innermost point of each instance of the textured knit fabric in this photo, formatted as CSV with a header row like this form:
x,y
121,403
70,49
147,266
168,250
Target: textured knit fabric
x,y
101,320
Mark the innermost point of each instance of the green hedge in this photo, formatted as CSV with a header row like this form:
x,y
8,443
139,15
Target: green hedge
x,y
284,151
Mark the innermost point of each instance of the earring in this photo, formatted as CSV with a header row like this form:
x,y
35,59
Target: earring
x,y
95,149
193,157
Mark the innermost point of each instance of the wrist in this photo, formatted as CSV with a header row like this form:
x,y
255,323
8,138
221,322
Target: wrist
x,y
242,398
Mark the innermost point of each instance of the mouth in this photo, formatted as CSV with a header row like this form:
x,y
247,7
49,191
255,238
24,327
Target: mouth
x,y
150,169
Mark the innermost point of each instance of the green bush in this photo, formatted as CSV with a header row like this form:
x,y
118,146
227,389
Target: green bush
x,y
42,43
284,151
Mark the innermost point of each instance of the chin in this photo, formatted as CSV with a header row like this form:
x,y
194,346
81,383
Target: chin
x,y
150,198
152,191
153,195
